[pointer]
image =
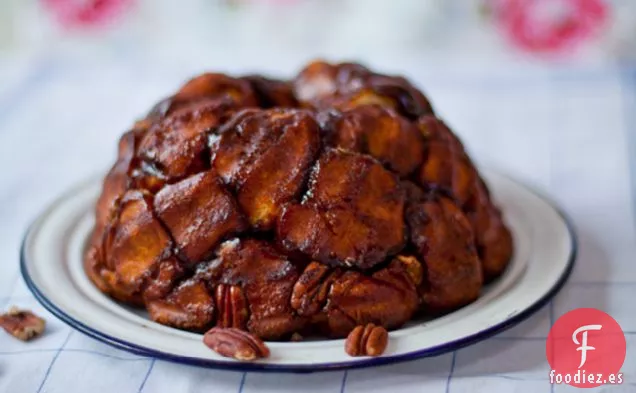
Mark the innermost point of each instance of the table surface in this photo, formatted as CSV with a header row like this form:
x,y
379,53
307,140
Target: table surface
x,y
570,131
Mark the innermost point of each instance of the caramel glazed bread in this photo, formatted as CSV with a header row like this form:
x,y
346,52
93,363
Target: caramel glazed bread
x,y
312,206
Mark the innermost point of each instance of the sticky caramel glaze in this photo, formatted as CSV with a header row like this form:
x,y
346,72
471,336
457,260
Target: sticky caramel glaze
x,y
177,145
348,85
379,132
444,241
351,215
115,184
264,156
272,93
199,212
130,249
307,206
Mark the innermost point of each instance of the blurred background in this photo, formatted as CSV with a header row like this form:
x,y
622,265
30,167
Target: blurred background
x,y
200,31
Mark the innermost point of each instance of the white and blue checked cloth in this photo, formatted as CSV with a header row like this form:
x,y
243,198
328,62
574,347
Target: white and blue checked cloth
x,y
571,132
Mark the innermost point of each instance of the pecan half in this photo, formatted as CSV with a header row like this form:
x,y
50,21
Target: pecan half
x,y
235,343
231,305
369,340
22,324
310,291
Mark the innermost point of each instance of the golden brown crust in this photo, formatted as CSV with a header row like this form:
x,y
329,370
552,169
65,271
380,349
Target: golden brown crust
x,y
217,86
190,306
346,200
349,85
447,168
445,243
199,212
134,244
272,93
264,157
351,214
381,133
164,279
493,239
177,145
116,181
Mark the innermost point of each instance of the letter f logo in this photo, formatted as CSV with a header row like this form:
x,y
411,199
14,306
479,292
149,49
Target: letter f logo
x,y
584,347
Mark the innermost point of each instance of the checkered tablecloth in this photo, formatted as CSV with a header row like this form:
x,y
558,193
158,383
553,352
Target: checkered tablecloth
x,y
569,131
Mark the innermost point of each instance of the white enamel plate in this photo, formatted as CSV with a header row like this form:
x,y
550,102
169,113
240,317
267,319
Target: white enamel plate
x,y
545,249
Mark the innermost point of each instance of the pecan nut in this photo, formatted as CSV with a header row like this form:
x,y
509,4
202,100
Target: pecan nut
x,y
22,324
231,305
235,343
310,292
369,340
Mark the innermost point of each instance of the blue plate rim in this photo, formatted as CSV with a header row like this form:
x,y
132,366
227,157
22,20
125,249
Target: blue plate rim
x,y
304,368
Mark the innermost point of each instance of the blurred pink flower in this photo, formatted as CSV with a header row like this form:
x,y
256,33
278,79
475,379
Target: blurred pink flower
x,y
86,13
246,2
550,26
